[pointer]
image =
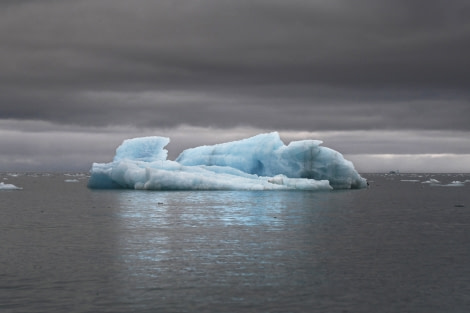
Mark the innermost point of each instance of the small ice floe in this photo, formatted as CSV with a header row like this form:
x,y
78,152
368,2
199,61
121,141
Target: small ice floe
x,y
75,174
455,183
410,180
74,177
432,181
4,186
435,182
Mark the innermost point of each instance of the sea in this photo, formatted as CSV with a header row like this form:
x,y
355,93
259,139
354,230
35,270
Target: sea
x,y
400,245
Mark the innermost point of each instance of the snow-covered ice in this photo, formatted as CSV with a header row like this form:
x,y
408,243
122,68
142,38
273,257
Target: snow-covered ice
x,y
431,181
436,183
4,186
262,162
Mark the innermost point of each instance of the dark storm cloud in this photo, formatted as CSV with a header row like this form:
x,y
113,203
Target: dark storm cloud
x,y
270,64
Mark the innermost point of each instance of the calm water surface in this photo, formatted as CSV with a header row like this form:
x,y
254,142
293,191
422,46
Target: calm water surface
x,y
399,246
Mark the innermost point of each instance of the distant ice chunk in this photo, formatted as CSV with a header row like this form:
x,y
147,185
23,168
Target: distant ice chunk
x,y
4,186
75,174
456,183
431,181
262,162
436,183
71,181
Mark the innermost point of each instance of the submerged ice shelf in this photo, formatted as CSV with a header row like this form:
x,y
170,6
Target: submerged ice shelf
x,y
262,162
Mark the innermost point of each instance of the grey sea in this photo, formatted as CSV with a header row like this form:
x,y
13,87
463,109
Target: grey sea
x,y
402,245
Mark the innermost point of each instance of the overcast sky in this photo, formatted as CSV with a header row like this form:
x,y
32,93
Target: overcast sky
x,y
386,83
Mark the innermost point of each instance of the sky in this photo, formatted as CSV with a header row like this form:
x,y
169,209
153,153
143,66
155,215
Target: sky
x,y
386,83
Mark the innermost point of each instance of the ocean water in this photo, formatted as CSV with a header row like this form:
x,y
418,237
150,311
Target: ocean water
x,y
400,246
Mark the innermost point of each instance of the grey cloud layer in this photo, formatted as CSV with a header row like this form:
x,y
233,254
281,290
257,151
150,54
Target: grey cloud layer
x,y
270,64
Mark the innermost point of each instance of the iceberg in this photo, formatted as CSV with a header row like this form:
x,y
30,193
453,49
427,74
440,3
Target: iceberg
x,y
262,162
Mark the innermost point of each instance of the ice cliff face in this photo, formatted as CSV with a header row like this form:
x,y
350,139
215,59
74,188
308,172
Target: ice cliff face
x,y
262,162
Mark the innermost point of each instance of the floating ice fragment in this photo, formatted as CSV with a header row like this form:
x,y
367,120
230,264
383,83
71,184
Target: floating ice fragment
x,y
455,183
431,181
4,186
262,162
436,183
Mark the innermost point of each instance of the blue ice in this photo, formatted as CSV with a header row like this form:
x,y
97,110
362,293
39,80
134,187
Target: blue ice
x,y
262,162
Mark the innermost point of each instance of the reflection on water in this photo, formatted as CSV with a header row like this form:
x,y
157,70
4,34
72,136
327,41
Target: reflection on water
x,y
390,248
225,248
191,209
400,246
